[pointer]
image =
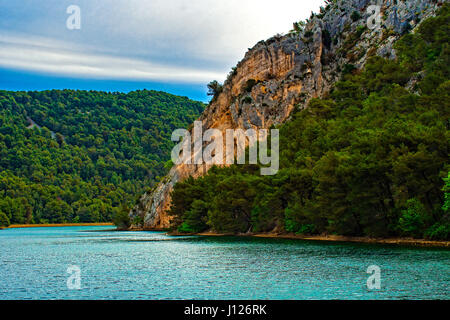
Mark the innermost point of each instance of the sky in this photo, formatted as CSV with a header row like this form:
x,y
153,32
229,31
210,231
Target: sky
x,y
176,46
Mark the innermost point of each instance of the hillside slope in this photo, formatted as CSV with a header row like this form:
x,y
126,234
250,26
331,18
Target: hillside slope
x,y
370,159
69,156
287,71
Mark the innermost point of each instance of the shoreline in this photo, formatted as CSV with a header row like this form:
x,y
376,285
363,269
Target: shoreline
x,y
54,225
323,238
331,238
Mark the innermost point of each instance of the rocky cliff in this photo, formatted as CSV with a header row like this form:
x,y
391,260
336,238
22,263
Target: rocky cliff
x,y
286,71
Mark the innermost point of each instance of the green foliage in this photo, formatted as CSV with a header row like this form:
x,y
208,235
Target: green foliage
x,y
348,69
308,34
298,27
121,219
168,165
326,38
292,219
92,151
352,39
231,208
195,218
365,161
249,85
55,211
439,231
413,219
247,100
446,190
430,44
355,16
214,89
4,221
307,229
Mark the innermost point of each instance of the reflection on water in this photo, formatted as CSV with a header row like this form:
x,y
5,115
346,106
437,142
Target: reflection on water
x,y
152,265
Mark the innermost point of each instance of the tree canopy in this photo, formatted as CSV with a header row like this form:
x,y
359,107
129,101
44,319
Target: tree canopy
x,y
79,156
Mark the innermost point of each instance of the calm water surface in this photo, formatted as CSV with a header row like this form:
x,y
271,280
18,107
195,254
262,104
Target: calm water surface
x,y
152,265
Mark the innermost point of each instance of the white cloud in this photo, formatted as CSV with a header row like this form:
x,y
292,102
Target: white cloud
x,y
46,55
166,40
209,29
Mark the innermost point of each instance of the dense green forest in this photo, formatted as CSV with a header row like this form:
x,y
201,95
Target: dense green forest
x,y
82,156
368,159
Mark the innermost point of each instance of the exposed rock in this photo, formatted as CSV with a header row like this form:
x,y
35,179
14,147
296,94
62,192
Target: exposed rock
x,y
285,71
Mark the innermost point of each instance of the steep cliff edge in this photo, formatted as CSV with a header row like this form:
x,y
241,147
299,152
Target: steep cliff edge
x,y
287,71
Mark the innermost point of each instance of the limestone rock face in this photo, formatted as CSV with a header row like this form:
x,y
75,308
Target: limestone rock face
x,y
286,71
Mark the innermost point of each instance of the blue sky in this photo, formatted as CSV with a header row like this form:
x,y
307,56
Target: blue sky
x,y
176,46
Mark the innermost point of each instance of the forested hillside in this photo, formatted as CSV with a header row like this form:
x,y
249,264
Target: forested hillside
x,y
368,159
81,156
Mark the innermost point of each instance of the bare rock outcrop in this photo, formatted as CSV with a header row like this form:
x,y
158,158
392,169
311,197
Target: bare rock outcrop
x,y
286,71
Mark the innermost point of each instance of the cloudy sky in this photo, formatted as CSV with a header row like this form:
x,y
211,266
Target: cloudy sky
x,y
172,45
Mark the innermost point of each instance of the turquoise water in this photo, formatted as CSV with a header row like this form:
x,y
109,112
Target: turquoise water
x,y
152,265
